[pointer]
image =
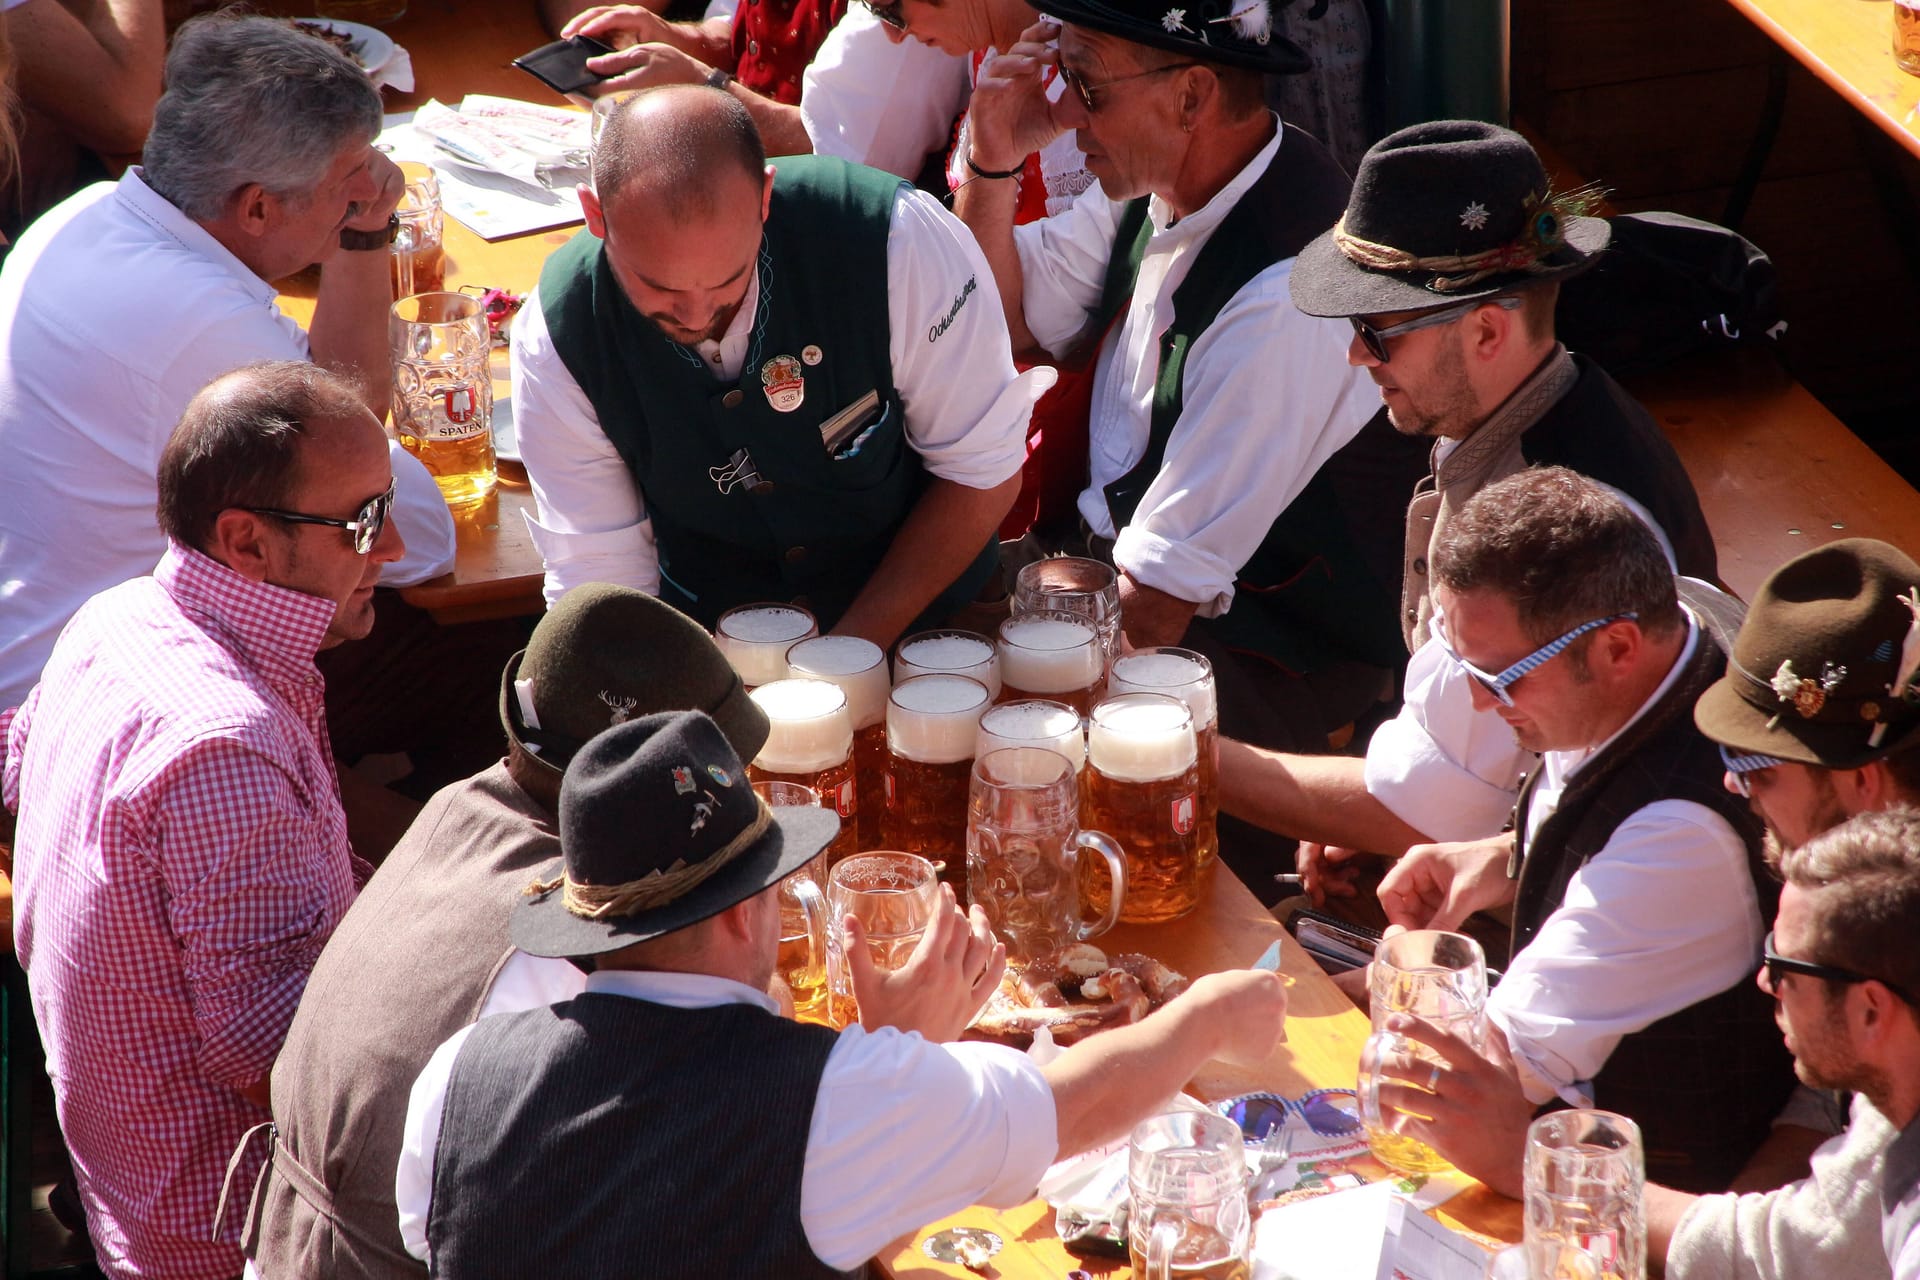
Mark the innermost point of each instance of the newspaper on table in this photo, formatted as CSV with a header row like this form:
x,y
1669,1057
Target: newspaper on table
x,y
505,167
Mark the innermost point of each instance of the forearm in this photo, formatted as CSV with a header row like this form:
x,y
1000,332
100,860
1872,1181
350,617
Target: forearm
x,y
1104,1085
94,67
1152,617
987,205
1664,1208
941,536
1319,798
781,128
349,331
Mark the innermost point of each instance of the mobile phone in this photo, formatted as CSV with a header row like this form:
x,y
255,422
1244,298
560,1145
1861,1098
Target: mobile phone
x,y
1338,944
562,65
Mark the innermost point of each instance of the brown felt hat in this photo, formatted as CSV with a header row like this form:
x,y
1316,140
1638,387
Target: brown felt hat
x,y
1823,669
604,655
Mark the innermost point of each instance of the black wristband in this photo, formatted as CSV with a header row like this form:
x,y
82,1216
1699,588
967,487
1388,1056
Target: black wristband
x,y
978,172
366,240
719,78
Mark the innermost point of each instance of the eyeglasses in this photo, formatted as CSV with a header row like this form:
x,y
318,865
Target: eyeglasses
x,y
1330,1113
1777,964
1497,685
1087,91
887,13
1739,766
366,525
1375,340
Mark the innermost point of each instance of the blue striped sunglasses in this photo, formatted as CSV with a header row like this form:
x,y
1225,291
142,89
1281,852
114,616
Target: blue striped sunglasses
x,y
1497,685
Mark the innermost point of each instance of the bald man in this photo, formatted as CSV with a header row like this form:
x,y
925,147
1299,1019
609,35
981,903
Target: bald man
x,y
748,381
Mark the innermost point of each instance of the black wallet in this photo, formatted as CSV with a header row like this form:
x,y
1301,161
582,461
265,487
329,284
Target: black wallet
x,y
562,65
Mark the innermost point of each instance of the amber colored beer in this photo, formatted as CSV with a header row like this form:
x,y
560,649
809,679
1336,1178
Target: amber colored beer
x,y
756,637
960,653
1197,1257
443,391
932,722
1142,785
1906,37
1051,655
859,667
1188,676
421,269
810,742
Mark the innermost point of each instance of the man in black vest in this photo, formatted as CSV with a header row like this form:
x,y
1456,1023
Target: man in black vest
x,y
666,1123
746,382
1228,477
1635,876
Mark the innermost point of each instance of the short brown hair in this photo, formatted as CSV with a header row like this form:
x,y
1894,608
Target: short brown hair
x,y
1863,880
1564,549
238,443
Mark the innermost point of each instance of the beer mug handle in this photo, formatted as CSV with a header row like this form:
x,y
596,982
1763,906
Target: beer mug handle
x,y
1101,843
402,255
1162,1241
813,904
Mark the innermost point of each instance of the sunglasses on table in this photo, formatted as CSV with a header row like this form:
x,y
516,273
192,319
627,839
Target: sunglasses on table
x,y
1777,964
1499,683
1330,1113
366,525
1375,339
1739,766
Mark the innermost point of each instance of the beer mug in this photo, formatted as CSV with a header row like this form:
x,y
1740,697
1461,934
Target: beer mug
x,y
1073,584
794,795
1188,676
1024,848
1036,723
756,637
1051,655
894,896
418,253
1141,785
1187,1212
1439,978
1584,1181
810,741
860,669
443,391
931,725
960,653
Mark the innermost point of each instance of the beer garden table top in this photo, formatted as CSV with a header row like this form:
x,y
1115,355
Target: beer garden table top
x,y
1850,47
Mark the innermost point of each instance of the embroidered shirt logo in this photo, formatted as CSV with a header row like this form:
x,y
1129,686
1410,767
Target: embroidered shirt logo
x,y
959,301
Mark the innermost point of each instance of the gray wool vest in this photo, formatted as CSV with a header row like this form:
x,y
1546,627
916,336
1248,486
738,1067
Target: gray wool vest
x,y
609,1136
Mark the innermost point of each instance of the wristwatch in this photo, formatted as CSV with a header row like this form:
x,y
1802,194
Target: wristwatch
x,y
719,78
351,239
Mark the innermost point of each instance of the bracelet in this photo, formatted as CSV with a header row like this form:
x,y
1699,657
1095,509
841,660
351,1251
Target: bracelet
x,y
719,78
367,240
978,172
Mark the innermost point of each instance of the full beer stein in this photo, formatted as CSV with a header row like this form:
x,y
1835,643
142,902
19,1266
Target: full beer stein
x,y
1141,787
931,725
1052,655
1188,1214
959,653
1024,847
1439,978
1073,584
802,961
860,669
1036,723
894,896
810,741
443,391
756,637
1188,676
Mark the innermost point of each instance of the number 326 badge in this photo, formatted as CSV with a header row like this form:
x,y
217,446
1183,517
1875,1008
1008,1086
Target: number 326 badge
x,y
785,386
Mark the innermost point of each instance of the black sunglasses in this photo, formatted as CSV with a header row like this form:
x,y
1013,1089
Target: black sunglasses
x,y
366,525
887,13
1375,339
1088,92
1777,964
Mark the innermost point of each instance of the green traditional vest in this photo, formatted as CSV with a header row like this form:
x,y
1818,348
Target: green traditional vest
x,y
746,501
1308,594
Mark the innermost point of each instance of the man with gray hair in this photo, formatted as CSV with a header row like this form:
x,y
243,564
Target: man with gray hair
x,y
117,306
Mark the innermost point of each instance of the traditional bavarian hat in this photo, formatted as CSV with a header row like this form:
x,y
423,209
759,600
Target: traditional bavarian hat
x,y
1238,33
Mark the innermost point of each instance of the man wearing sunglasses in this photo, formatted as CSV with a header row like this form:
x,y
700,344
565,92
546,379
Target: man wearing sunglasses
x,y
182,854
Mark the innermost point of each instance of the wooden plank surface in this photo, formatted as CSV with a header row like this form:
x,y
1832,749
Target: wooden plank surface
x,y
1849,45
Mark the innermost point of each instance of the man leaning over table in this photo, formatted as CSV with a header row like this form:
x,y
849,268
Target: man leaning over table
x,y
750,382
1636,881
181,854
666,1122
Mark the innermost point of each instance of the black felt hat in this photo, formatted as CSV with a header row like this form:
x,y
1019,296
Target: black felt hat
x,y
1824,667
1447,211
659,829
1238,33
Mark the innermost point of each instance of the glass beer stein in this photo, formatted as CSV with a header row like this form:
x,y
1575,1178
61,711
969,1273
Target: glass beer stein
x,y
756,637
1024,847
1439,978
419,253
1036,723
1188,676
1073,584
860,669
894,896
1585,1179
1053,655
931,725
1188,1214
810,741
960,653
1141,788
443,391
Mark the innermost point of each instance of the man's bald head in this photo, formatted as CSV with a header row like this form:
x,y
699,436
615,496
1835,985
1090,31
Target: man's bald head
x,y
676,146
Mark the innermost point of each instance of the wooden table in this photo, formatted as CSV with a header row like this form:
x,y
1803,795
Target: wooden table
x,y
1849,45
1230,929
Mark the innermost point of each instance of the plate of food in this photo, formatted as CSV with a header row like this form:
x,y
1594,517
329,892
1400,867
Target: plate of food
x,y
1075,994
371,47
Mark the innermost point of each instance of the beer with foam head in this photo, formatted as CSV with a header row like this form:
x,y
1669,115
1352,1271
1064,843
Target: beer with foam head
x,y
810,741
1072,584
1142,782
960,653
756,637
932,722
1050,655
1188,676
1035,723
860,669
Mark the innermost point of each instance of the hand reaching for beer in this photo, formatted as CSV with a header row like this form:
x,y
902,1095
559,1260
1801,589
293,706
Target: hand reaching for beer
x,y
954,968
1436,886
1009,115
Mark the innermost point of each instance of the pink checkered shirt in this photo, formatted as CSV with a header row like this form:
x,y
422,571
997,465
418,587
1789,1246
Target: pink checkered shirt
x,y
180,860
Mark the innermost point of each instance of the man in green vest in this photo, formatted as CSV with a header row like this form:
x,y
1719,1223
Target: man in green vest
x,y
750,382
1227,478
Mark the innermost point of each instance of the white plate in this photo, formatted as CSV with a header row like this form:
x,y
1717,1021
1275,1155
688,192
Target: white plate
x,y
371,46
506,442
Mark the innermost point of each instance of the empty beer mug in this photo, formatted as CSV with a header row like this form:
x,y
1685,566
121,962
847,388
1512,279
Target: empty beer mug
x,y
1024,849
960,653
443,391
756,637
860,669
810,742
932,722
1073,584
1035,723
1584,1181
1051,655
1439,978
894,896
1188,1214
1188,676
1142,788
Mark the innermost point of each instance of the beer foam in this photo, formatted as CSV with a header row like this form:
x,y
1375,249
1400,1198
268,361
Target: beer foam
x,y
809,728
857,666
961,652
1035,724
934,718
1049,654
1141,737
755,638
1170,673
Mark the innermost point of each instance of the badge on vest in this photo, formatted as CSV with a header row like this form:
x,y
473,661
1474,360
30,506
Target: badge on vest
x,y
785,387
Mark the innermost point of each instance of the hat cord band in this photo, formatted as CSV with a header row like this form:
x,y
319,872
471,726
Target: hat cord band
x,y
1450,271
657,887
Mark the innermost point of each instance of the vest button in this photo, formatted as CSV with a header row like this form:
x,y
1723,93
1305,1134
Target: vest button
x,y
796,554
753,48
733,398
1419,564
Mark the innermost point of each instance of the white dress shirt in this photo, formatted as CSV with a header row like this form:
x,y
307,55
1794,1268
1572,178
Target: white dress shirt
x,y
115,309
903,1133
867,99
1268,395
966,407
